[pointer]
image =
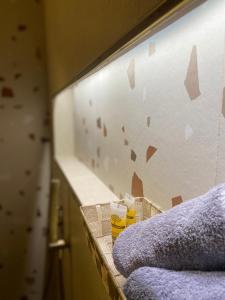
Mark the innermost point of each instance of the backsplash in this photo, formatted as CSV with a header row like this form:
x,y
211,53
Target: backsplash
x,y
24,151
152,122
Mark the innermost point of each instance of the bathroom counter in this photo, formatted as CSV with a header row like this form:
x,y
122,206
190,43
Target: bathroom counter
x,y
79,186
87,187
87,191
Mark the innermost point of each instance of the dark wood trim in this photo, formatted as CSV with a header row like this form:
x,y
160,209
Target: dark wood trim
x,y
150,19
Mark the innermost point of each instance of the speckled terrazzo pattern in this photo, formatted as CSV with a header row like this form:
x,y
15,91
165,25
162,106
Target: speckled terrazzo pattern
x,y
152,122
24,151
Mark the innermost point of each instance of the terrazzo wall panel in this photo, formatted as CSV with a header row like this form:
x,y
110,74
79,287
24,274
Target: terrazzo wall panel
x,y
24,150
152,122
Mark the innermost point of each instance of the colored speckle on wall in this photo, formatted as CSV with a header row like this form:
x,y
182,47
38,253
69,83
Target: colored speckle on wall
x,y
133,155
38,213
137,186
29,229
151,49
21,193
98,152
17,76
93,163
111,188
176,200
28,172
7,92
192,81
105,132
14,38
150,152
99,123
131,73
44,139
8,213
36,89
148,121
22,27
24,298
32,136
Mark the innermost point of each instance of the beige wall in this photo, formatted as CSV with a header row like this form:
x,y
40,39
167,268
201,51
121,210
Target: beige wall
x,y
79,31
24,150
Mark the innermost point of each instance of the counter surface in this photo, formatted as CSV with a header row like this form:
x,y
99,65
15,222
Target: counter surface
x,y
87,187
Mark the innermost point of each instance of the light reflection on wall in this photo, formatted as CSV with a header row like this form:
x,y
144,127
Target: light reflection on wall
x,y
150,122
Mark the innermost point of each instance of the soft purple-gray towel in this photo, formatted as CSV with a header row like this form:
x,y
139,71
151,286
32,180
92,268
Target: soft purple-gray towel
x,y
190,236
159,284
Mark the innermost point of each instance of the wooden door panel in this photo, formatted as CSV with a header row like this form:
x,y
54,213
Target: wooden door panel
x,y
86,282
66,253
74,275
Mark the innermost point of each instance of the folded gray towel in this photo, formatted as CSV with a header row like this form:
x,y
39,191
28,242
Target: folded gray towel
x,y
159,284
190,236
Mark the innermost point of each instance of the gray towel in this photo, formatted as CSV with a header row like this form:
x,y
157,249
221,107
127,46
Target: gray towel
x,y
190,236
159,284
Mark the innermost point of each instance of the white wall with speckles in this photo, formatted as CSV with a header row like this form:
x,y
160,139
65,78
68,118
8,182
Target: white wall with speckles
x,y
152,122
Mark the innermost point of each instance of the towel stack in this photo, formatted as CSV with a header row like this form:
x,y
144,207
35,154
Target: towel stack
x,y
177,255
